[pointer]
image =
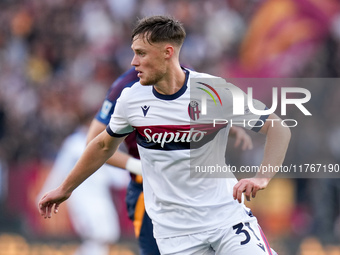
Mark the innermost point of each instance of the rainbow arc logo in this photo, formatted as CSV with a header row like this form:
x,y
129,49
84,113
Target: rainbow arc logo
x,y
209,93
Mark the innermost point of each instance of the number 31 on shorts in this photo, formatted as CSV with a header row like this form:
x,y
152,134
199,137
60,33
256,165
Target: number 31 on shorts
x,y
248,232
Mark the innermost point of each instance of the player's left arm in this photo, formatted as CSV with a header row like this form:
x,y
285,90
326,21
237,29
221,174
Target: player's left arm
x,y
277,140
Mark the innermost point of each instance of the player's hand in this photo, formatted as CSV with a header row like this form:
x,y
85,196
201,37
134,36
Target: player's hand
x,y
51,201
249,186
241,137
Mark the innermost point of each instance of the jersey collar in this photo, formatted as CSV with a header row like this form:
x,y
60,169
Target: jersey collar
x,y
178,93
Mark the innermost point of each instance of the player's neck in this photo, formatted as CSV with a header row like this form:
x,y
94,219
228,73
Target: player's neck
x,y
172,82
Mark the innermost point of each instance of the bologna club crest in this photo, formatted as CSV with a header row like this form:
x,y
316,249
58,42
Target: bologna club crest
x,y
193,110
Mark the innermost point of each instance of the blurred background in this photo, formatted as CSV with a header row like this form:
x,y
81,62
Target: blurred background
x,y
58,58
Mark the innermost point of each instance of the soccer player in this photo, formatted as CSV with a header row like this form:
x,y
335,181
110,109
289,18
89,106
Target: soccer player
x,y
134,200
190,215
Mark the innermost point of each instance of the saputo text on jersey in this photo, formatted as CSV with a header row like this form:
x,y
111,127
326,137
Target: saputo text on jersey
x,y
184,136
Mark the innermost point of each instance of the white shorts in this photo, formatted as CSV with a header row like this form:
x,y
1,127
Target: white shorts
x,y
239,239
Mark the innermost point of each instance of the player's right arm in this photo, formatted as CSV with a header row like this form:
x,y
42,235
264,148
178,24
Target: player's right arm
x,y
98,151
119,158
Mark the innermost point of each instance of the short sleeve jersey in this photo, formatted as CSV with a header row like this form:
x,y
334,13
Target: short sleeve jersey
x,y
126,80
170,140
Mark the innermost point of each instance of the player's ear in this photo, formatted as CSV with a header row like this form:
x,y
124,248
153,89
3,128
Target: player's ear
x,y
168,51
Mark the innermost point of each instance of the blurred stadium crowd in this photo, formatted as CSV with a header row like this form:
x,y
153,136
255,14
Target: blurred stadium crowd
x,y
58,58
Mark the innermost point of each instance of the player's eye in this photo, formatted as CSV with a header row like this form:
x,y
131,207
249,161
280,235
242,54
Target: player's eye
x,y
141,53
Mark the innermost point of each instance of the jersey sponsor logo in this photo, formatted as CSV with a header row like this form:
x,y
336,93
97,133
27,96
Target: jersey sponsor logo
x,y
173,137
193,110
181,136
145,109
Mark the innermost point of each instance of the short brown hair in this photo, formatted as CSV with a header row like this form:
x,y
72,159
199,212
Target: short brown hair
x,y
160,29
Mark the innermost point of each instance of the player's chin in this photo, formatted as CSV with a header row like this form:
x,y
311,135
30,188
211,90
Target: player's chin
x,y
144,82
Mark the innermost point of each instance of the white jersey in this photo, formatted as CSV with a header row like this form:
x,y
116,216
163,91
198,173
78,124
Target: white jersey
x,y
174,136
